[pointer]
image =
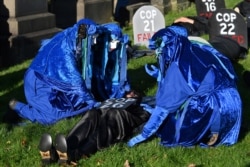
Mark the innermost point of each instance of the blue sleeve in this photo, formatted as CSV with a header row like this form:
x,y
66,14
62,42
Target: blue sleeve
x,y
169,98
158,116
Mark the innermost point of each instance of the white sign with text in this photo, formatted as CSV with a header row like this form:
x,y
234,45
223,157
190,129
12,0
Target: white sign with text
x,y
206,8
146,21
228,23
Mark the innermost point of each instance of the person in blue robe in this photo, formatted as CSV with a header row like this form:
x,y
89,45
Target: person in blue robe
x,y
53,84
197,101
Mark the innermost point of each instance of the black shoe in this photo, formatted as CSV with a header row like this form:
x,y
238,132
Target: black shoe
x,y
45,146
61,149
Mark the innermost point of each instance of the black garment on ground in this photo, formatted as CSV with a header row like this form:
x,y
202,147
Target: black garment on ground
x,y
100,128
246,78
244,7
199,27
228,47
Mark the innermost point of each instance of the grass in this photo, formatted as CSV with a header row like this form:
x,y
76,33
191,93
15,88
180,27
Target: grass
x,y
19,142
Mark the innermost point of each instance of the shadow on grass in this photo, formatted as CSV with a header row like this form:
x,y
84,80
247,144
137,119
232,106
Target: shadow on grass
x,y
11,87
138,77
245,96
140,81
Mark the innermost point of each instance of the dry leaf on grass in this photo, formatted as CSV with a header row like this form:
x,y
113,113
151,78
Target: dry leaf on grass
x,y
191,165
126,164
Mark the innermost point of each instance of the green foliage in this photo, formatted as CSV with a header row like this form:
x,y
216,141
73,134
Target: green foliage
x,y
19,142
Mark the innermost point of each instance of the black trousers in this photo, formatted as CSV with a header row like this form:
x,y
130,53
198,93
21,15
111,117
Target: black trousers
x,y
101,128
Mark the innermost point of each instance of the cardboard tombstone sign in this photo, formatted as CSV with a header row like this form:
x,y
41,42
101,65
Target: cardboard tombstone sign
x,y
121,103
228,23
206,8
146,21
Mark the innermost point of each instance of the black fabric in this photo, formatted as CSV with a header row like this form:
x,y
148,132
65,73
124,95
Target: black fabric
x,y
11,117
244,7
246,78
228,47
188,26
122,16
200,24
99,129
198,28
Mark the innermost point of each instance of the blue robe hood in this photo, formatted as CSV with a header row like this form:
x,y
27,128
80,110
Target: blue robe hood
x,y
60,52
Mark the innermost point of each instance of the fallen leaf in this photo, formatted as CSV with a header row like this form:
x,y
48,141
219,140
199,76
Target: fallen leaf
x,y
191,165
126,164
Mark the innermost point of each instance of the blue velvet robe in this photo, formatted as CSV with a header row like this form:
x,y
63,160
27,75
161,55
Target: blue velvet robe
x,y
197,93
53,84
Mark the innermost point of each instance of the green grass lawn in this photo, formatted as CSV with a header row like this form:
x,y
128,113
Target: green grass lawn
x,y
18,144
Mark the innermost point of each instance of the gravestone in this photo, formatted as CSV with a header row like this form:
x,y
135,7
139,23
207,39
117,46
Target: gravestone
x,y
28,23
30,19
65,12
170,5
98,10
146,21
68,12
163,5
206,8
228,23
132,8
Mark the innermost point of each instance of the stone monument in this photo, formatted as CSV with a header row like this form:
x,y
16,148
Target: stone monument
x,y
101,11
167,5
26,23
68,12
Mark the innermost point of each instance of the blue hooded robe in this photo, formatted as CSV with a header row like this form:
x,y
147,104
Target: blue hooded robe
x,y
53,84
196,96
